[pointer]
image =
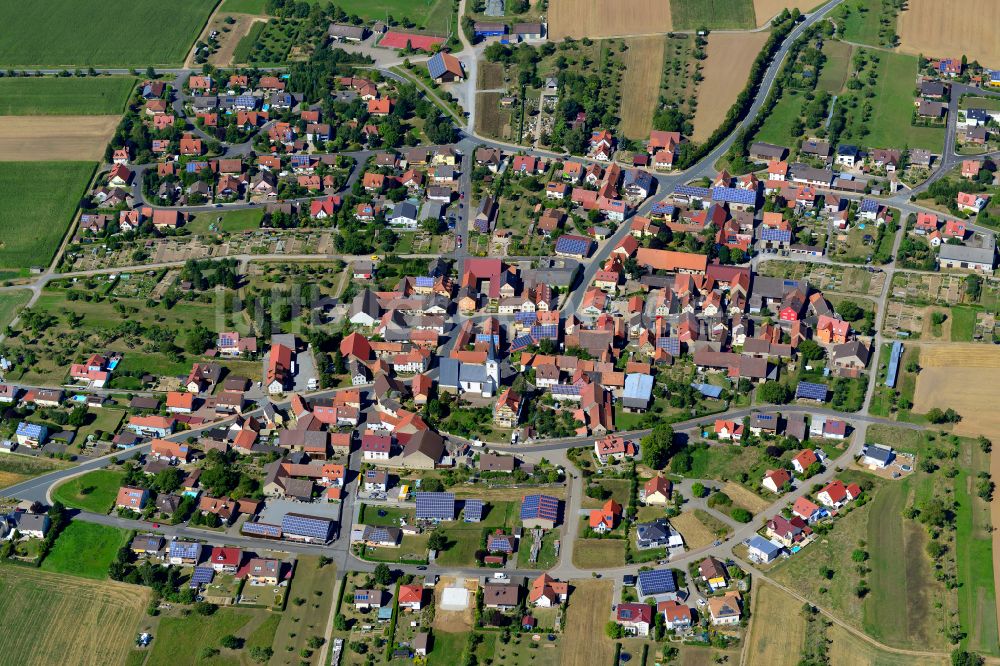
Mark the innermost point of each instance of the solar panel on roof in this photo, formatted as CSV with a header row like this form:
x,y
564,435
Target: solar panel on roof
x,y
897,353
868,206
656,581
473,510
423,281
734,195
811,391
707,390
671,345
525,317
306,526
692,191
435,506
486,337
661,208
564,389
776,235
521,342
539,506
545,332
573,245
202,575
436,66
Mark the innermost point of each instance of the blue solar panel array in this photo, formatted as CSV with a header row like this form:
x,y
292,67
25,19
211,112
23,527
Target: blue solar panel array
x,y
655,582
436,66
527,318
499,543
185,549
734,195
521,342
473,510
545,507
692,191
313,527
564,389
707,390
262,529
545,332
671,345
246,101
868,206
424,282
573,245
776,235
379,534
811,391
894,357
436,506
662,208
202,576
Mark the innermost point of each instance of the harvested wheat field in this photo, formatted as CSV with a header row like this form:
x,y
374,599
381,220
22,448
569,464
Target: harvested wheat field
x,y
641,85
743,497
605,18
727,66
768,9
229,40
951,29
588,612
773,608
55,619
846,648
954,375
55,138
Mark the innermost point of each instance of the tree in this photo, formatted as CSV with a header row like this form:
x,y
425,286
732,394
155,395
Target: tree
x,y
382,574
198,339
437,541
859,555
614,630
965,658
262,654
231,642
656,446
809,350
78,416
698,489
850,311
774,393
741,515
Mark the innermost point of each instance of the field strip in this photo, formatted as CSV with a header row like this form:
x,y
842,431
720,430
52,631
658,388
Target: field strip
x,y
945,29
727,66
55,138
598,19
641,85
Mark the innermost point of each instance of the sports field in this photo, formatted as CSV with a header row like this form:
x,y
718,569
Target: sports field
x,y
50,618
99,33
37,203
952,29
773,608
712,14
730,56
641,85
605,18
55,138
61,96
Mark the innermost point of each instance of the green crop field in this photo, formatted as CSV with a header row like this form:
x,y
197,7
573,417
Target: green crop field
x,y
892,108
714,14
55,619
85,33
85,549
61,96
94,491
37,203
243,6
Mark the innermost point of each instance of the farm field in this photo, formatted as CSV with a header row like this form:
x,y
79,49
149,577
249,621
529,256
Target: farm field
x,y
298,624
43,138
584,639
713,14
490,120
838,62
94,491
85,550
11,303
30,235
604,18
15,468
641,85
890,126
936,29
244,6
952,376
51,618
977,553
726,68
773,608
60,96
74,33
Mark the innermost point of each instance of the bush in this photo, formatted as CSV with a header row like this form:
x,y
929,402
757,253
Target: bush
x,y
741,515
231,642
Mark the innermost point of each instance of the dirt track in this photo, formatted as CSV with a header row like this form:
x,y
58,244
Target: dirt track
x,y
606,18
42,138
951,29
727,66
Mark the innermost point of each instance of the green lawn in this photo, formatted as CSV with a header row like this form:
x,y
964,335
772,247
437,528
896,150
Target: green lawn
x,y
244,6
37,203
94,491
60,96
233,221
85,549
11,303
180,640
974,553
546,555
834,72
714,14
974,102
963,323
370,515
862,22
777,128
100,420
83,33
463,542
892,108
